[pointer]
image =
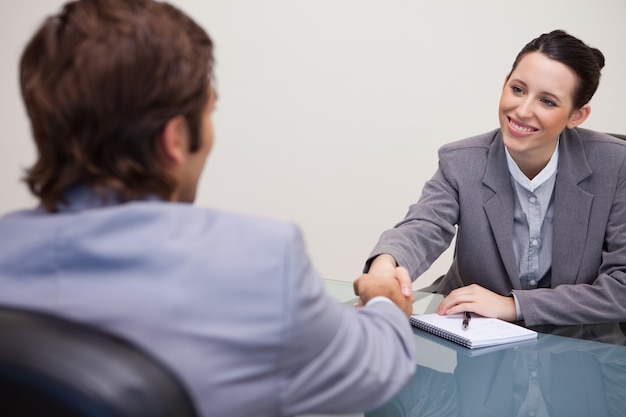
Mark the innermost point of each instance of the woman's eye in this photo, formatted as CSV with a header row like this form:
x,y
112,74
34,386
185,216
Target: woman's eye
x,y
548,103
517,90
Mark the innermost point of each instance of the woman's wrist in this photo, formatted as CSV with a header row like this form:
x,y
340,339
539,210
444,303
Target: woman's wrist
x,y
383,264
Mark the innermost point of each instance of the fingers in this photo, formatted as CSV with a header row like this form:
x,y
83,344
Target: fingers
x,y
368,286
405,303
408,305
457,301
401,274
476,299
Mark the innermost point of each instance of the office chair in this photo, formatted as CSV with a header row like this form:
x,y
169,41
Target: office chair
x,y
54,367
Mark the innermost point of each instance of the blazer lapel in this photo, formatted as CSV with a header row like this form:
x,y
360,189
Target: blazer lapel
x,y
499,206
572,207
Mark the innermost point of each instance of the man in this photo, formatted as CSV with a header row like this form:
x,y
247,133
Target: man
x,y
120,96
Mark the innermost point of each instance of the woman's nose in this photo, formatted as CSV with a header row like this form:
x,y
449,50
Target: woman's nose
x,y
525,108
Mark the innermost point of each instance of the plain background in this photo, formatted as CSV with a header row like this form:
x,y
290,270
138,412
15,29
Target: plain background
x,y
331,111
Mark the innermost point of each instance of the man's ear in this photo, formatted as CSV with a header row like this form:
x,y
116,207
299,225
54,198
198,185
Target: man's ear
x,y
174,140
579,116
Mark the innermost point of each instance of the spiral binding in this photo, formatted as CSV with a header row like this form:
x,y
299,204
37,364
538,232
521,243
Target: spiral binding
x,y
463,341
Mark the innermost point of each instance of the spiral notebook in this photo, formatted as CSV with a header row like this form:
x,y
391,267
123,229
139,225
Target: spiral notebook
x,y
481,332
429,338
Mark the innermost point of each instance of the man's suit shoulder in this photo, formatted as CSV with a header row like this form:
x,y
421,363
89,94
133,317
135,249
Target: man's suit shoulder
x,y
199,223
246,223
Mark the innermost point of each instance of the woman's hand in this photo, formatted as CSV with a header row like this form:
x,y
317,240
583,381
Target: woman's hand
x,y
385,266
368,286
476,299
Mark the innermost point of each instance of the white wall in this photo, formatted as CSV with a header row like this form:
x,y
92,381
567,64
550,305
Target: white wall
x,y
331,111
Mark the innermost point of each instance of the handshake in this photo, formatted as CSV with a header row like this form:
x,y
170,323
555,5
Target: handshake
x,y
394,283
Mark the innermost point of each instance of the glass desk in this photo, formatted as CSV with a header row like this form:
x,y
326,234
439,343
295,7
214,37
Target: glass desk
x,y
568,371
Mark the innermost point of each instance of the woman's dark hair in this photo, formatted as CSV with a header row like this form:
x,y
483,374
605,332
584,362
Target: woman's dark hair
x,y
585,61
100,80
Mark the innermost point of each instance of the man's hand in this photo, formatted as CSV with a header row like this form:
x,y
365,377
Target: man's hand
x,y
385,266
368,286
476,299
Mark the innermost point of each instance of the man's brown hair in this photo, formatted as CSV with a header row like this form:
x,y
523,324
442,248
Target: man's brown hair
x,y
100,80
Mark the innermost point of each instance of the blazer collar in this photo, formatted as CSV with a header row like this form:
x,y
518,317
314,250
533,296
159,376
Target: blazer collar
x,y
499,205
572,209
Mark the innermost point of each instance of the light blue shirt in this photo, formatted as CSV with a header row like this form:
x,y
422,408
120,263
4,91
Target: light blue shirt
x,y
532,225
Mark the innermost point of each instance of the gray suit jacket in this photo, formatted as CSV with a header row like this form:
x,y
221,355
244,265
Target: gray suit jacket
x,y
471,195
231,303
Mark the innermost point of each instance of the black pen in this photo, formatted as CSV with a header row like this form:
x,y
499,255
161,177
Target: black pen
x,y
466,319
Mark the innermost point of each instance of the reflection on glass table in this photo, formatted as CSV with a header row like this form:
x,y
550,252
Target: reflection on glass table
x,y
556,376
567,371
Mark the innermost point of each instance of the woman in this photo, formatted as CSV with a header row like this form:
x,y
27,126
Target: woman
x,y
538,205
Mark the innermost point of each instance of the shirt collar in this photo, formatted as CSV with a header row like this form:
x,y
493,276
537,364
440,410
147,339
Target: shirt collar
x,y
81,197
546,172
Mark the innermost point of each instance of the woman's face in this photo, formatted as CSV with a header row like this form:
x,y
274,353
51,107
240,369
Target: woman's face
x,y
536,105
